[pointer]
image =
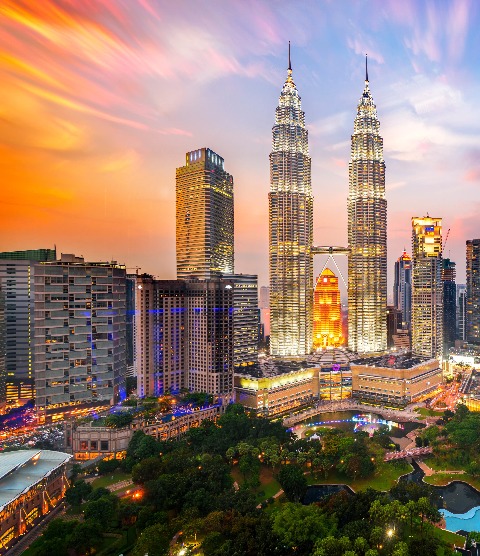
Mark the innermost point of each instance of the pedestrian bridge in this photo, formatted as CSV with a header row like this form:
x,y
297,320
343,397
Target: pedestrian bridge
x,y
409,453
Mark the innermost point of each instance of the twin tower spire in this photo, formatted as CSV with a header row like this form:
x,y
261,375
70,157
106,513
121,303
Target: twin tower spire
x,y
291,229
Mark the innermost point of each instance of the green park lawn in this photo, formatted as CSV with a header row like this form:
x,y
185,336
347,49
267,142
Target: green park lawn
x,y
429,412
111,479
385,477
268,484
449,537
442,479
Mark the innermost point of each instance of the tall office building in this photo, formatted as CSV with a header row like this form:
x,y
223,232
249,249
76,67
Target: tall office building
x,y
367,232
473,291
204,216
264,308
449,304
327,317
394,325
461,312
427,287
79,336
130,289
290,228
245,318
402,289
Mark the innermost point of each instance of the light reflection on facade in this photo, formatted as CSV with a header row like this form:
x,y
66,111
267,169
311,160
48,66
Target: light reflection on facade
x,y
290,228
327,321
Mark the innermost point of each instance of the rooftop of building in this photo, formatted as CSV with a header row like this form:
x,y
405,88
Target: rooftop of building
x,y
393,361
269,367
22,469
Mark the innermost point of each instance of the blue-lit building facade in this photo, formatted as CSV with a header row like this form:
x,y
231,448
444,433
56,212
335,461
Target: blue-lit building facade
x,y
79,336
184,336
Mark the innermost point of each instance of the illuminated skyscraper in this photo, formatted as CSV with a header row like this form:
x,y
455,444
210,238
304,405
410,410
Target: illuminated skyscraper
x,y
327,319
449,304
204,217
473,292
402,289
427,287
367,232
290,228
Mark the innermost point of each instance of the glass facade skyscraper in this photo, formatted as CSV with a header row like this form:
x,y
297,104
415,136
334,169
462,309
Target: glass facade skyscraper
x,y
473,291
204,216
449,304
290,205
427,287
402,289
367,232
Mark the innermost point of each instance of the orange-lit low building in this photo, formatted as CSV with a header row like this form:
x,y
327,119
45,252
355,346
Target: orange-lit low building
x,y
327,320
290,385
32,483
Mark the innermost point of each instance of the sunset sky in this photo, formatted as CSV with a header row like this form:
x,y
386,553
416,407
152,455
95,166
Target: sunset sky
x,y
101,99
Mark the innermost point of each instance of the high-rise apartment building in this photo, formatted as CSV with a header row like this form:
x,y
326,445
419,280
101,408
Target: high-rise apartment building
x,y
204,216
461,312
427,287
402,289
3,373
147,318
184,335
290,209
79,336
367,232
130,290
17,283
327,317
473,291
449,304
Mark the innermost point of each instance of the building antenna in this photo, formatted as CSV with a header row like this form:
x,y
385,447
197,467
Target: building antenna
x,y
366,67
289,59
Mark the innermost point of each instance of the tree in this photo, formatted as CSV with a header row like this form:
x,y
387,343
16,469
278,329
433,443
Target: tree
x,y
102,510
154,541
78,492
147,470
331,546
293,482
85,536
301,526
118,420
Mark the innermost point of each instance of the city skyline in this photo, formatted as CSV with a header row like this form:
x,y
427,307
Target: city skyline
x,y
100,106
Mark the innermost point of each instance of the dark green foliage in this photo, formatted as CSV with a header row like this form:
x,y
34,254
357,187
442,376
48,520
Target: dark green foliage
x,y
102,510
108,466
197,399
293,482
78,492
154,541
118,420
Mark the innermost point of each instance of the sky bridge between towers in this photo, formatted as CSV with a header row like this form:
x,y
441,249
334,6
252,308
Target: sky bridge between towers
x,y
331,251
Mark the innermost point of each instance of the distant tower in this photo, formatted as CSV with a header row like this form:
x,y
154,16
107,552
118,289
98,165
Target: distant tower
x,y
473,291
427,287
402,289
290,228
461,312
367,232
327,318
449,304
204,217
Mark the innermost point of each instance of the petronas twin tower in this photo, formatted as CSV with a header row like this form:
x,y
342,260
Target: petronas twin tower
x,y
291,230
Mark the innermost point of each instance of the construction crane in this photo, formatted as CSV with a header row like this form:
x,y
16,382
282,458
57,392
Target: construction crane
x,y
446,239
